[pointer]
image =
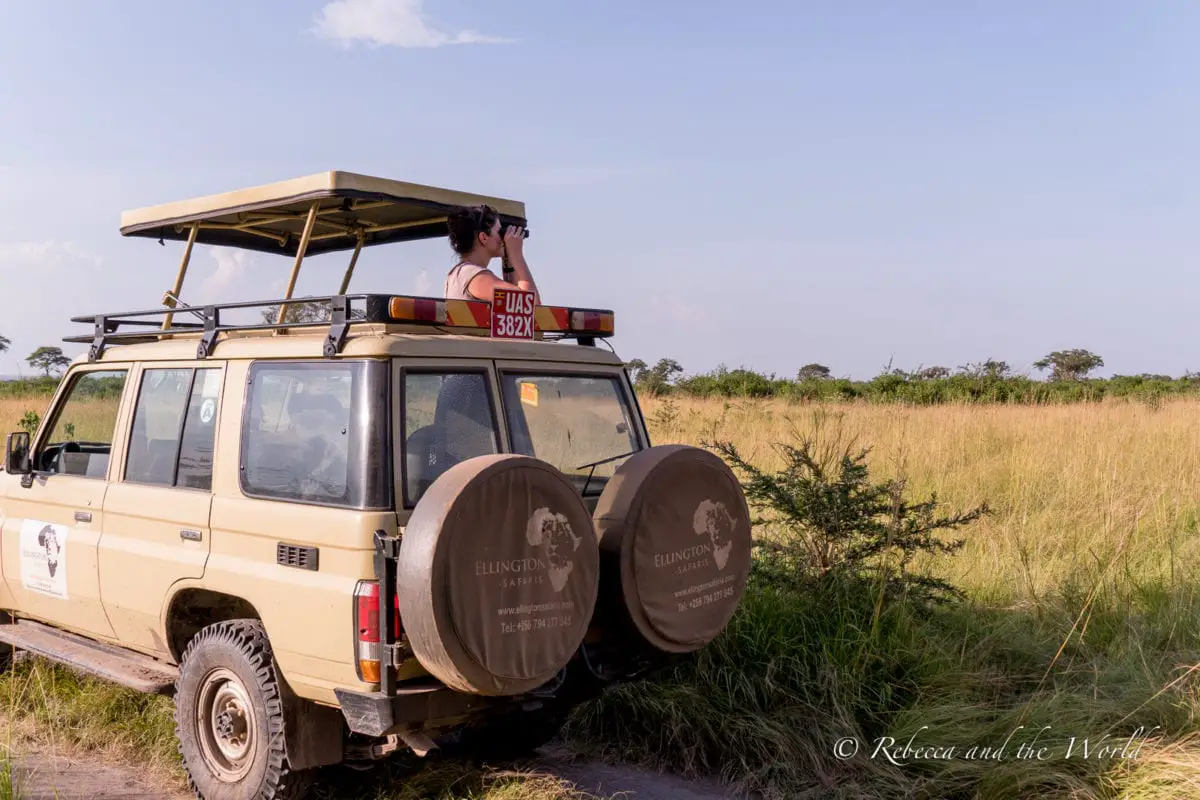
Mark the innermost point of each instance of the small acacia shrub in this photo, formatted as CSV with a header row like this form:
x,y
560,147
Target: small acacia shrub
x,y
29,422
824,518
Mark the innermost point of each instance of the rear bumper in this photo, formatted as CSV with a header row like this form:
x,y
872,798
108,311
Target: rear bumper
x,y
413,707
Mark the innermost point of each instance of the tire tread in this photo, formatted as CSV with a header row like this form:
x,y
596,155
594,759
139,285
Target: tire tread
x,y
250,639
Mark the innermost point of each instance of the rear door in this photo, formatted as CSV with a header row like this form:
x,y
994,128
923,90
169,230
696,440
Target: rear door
x,y
157,509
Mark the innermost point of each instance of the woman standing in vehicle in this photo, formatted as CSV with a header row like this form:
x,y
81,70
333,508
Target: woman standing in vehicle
x,y
476,237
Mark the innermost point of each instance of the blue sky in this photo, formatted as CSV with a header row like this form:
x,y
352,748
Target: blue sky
x,y
761,184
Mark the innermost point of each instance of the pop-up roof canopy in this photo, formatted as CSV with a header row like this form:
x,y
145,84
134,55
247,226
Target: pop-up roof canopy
x,y
316,214
320,213
272,218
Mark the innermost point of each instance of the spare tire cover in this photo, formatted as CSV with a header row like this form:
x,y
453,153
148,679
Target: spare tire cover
x,y
498,575
674,524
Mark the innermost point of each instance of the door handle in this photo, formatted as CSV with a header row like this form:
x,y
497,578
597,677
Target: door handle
x,y
83,516
190,535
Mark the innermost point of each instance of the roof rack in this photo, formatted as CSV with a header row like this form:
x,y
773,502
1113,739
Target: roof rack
x,y
338,313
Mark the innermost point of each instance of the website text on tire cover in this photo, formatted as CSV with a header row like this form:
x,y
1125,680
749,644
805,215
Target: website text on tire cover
x,y
335,527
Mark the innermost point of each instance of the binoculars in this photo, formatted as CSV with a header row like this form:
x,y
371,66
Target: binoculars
x,y
504,228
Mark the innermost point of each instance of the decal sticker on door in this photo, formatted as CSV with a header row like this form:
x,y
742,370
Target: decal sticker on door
x,y
44,557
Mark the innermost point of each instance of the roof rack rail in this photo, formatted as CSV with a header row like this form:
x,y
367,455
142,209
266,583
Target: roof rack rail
x,y
452,316
109,329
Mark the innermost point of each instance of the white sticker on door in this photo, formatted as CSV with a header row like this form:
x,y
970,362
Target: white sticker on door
x,y
44,557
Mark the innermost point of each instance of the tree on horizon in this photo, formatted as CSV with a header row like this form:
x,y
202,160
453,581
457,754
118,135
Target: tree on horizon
x,y
1070,365
47,359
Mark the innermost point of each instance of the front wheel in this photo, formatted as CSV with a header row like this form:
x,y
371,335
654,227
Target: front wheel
x,y
230,718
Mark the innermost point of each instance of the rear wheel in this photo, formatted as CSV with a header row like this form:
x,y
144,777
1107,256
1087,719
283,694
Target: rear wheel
x,y
230,718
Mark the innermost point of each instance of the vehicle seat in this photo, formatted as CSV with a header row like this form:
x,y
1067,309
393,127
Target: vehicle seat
x,y
464,418
424,460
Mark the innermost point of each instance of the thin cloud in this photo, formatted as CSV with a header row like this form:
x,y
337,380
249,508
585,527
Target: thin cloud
x,y
230,271
423,283
395,23
44,254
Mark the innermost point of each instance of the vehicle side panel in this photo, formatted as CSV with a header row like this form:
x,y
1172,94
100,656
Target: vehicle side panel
x,y
143,553
308,614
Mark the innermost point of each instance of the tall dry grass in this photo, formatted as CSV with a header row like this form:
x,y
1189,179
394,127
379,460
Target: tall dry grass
x,y
1072,486
1082,620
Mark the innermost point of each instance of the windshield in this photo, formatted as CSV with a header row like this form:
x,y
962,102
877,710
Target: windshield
x,y
571,421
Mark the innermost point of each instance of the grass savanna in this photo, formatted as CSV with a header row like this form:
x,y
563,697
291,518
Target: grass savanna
x,y
1077,623
988,381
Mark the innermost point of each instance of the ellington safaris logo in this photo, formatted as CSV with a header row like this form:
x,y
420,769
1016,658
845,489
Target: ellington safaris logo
x,y
713,519
48,539
552,532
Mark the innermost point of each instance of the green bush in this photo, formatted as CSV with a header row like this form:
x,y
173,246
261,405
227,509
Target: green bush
x,y
824,518
927,387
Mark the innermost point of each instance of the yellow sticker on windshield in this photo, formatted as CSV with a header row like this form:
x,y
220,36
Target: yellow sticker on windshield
x,y
529,394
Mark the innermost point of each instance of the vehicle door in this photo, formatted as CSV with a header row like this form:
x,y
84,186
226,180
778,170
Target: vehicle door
x,y
157,508
53,518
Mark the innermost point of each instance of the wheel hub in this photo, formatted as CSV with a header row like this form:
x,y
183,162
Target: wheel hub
x,y
227,725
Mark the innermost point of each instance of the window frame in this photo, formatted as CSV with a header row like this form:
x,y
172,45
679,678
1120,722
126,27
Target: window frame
x,y
499,430
364,365
193,368
67,385
619,377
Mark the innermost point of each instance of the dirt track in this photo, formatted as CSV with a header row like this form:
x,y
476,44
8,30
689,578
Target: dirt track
x,y
43,776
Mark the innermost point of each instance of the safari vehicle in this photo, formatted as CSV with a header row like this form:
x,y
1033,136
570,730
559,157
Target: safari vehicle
x,y
374,526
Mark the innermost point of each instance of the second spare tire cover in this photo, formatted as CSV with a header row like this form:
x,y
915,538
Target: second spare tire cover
x,y
674,533
498,575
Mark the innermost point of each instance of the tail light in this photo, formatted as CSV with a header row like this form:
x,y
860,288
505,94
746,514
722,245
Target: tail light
x,y
366,623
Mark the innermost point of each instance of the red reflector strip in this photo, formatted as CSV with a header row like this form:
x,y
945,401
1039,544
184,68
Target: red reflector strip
x,y
477,314
469,314
551,318
418,309
456,313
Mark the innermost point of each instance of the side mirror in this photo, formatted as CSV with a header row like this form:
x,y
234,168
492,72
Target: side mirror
x,y
16,454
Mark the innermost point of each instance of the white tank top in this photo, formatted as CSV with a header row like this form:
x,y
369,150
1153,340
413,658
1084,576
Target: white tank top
x,y
459,278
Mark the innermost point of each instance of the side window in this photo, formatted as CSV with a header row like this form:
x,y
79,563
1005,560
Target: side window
x,y
174,422
297,434
84,426
200,432
447,419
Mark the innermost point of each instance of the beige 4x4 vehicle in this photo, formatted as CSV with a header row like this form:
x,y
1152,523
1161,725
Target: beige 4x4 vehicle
x,y
359,522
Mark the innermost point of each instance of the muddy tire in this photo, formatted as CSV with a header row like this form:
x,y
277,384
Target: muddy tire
x,y
498,575
675,546
230,719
